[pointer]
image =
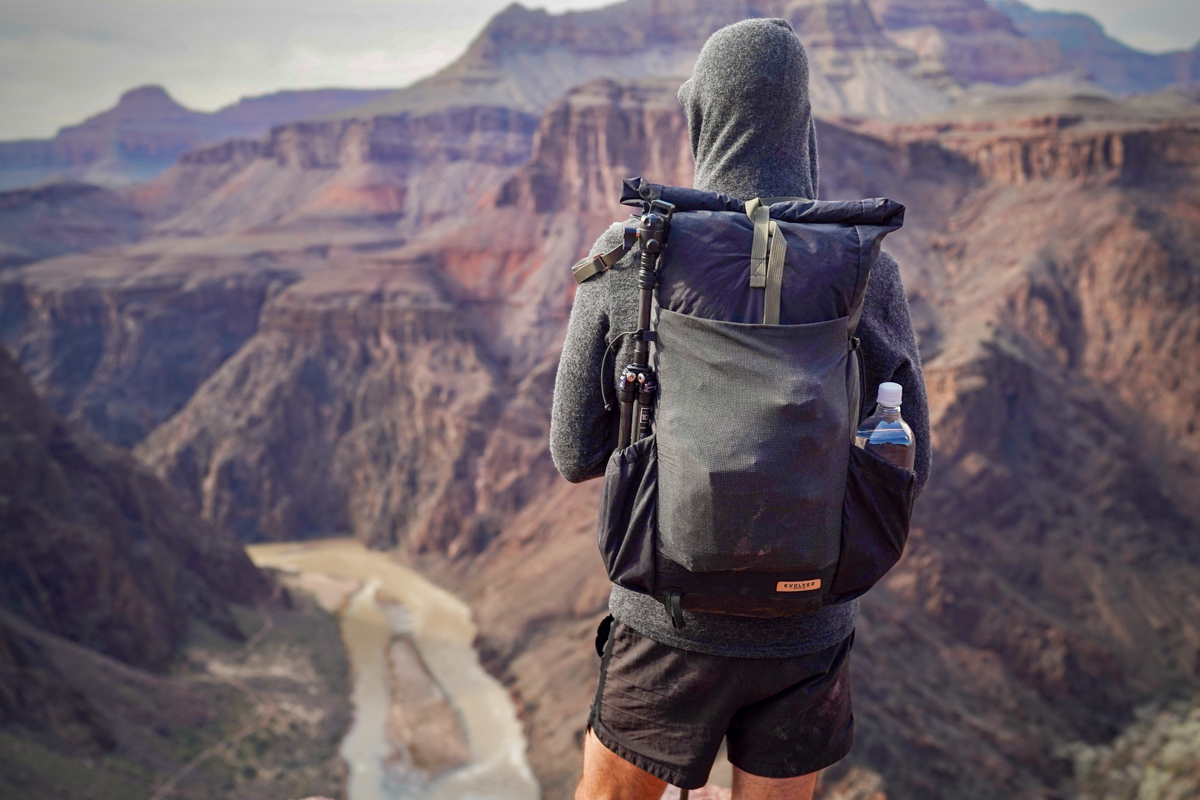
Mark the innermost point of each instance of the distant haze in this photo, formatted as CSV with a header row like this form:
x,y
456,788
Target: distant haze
x,y
1155,26
62,60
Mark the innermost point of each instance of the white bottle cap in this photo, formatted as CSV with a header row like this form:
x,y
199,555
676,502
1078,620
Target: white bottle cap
x,y
890,394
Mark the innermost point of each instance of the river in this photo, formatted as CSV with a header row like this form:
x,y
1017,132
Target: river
x,y
444,634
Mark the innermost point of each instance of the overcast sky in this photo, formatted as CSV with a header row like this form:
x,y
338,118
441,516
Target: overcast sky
x,y
63,60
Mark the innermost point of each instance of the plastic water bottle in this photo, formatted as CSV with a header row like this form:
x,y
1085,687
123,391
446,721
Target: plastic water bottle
x,y
884,433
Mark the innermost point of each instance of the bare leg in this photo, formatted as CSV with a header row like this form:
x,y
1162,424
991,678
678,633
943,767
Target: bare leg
x,y
753,787
607,776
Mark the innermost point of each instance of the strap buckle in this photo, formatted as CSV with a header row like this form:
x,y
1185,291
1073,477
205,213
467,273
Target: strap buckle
x,y
672,603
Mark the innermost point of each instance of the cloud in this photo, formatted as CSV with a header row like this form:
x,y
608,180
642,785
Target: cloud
x,y
417,63
61,60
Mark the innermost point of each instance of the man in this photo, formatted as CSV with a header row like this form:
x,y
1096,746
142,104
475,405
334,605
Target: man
x,y
776,688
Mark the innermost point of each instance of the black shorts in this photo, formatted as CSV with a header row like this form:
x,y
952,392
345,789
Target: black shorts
x,y
666,710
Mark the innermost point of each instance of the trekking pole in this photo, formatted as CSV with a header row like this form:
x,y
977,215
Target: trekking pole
x,y
638,384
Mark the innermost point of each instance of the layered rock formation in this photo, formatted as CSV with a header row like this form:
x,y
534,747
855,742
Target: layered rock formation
x,y
970,38
118,342
405,172
399,289
148,324
527,59
96,549
400,391
61,218
1087,49
884,58
595,137
144,133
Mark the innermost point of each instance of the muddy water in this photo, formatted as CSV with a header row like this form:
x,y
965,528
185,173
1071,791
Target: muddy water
x,y
442,629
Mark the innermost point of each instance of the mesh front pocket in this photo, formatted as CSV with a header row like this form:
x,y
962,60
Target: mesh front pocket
x,y
752,426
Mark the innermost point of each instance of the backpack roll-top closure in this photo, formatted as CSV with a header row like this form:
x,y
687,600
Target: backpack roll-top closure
x,y
874,211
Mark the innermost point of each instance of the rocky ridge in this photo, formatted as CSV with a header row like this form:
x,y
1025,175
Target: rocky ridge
x,y
133,661
144,133
307,202
72,512
411,169
527,59
395,383
969,38
61,218
1154,759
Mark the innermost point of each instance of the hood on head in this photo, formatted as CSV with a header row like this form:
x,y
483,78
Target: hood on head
x,y
748,113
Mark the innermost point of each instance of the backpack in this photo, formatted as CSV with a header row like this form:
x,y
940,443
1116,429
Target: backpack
x,y
748,496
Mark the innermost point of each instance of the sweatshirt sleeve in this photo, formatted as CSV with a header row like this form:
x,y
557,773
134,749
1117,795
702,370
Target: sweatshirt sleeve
x,y
582,432
889,352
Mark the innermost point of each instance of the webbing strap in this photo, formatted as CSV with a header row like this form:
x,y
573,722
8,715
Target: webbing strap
x,y
774,275
760,215
594,265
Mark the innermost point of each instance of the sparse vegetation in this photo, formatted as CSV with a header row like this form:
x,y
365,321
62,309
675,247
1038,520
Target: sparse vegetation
x,y
259,719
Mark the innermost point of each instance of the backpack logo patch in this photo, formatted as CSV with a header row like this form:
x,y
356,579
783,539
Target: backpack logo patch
x,y
798,586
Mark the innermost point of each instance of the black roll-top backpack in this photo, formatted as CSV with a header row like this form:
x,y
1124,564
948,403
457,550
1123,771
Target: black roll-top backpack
x,y
750,497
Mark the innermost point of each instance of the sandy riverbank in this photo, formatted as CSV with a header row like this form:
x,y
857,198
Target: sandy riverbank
x,y
363,584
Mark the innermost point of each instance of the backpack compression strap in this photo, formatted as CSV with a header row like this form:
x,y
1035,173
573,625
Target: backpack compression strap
x,y
594,265
767,254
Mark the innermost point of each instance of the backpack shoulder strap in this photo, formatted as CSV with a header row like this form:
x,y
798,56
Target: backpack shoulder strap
x,y
594,265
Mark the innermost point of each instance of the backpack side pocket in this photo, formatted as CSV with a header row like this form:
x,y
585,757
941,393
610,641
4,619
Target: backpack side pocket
x,y
875,518
628,515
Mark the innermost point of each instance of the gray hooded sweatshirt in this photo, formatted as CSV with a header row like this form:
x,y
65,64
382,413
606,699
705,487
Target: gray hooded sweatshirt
x,y
752,135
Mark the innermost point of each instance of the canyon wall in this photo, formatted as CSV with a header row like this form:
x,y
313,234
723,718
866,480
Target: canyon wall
x,y
120,340
352,325
97,553
142,651
970,38
528,59
61,218
392,371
